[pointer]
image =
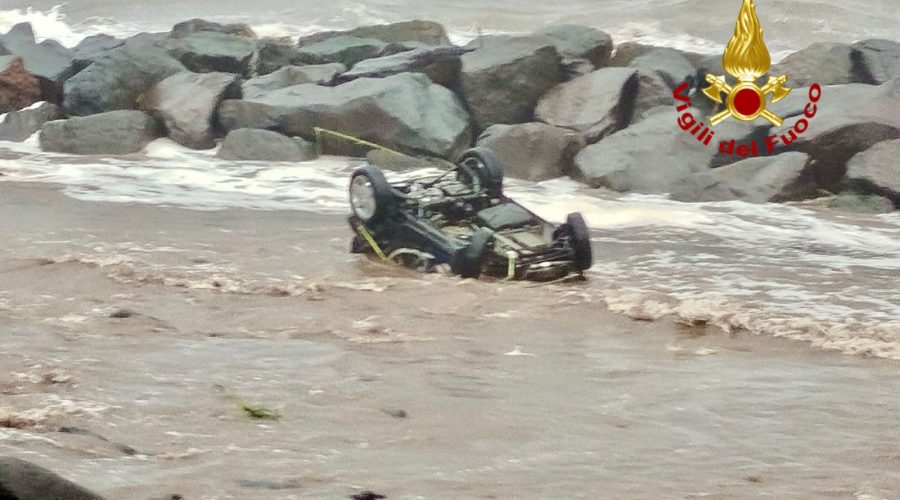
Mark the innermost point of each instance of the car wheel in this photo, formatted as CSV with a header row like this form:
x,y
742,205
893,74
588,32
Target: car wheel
x,y
581,241
471,259
488,168
371,198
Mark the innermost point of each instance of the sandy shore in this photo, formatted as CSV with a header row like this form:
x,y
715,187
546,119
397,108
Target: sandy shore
x,y
143,325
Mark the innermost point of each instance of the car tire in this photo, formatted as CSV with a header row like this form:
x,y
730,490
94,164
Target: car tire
x,y
471,259
581,241
371,197
488,168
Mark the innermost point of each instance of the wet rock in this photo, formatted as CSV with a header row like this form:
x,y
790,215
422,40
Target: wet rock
x,y
671,65
823,63
49,61
755,180
274,54
875,61
574,42
596,104
426,32
114,133
533,151
626,52
504,77
187,28
19,125
861,203
20,35
652,91
119,77
347,50
186,103
210,52
441,65
386,111
288,76
21,480
18,87
877,170
265,145
93,47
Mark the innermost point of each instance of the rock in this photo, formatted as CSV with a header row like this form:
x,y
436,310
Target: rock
x,y
755,180
93,47
19,125
875,61
118,78
113,133
596,104
274,54
18,87
823,63
19,36
879,170
209,51
186,104
574,42
861,204
671,65
265,145
440,64
347,50
320,74
21,480
187,28
652,156
52,63
626,52
504,77
386,111
652,91
533,151
426,32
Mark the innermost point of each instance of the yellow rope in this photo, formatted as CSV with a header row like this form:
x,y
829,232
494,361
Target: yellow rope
x,y
371,241
324,131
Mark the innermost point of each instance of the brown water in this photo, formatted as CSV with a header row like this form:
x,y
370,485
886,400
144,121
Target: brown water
x,y
508,391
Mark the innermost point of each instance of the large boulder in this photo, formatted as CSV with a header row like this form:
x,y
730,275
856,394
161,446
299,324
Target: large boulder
x,y
596,104
20,35
273,54
21,480
93,47
210,52
878,169
19,125
533,151
288,76
113,133
504,77
755,180
671,65
574,42
18,87
824,63
626,52
441,64
426,32
188,28
264,145
347,50
118,78
405,112
876,61
52,63
652,92
186,103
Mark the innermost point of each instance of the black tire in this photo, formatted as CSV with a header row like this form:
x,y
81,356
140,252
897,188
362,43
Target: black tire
x,y
581,241
488,168
471,259
383,197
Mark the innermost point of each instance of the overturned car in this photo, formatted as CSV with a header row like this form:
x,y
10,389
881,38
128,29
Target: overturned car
x,y
460,219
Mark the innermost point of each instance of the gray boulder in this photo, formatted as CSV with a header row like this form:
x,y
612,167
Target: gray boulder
x,y
875,61
755,180
671,65
877,170
19,125
264,145
288,76
186,104
118,78
574,42
18,87
533,151
596,104
425,32
20,35
652,91
860,203
626,52
52,63
822,62
210,52
504,77
405,112
93,47
273,54
440,64
113,133
187,28
21,480
347,50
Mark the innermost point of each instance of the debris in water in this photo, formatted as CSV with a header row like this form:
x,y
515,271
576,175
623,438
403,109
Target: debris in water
x,y
257,412
396,413
122,314
518,352
367,495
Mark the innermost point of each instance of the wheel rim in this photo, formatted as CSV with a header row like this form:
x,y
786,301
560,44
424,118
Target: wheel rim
x,y
362,197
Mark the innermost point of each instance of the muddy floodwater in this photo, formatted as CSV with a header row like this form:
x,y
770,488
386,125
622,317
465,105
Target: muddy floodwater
x,y
140,330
